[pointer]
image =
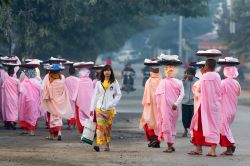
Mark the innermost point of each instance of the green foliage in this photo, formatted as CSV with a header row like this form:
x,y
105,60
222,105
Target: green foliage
x,y
239,42
82,29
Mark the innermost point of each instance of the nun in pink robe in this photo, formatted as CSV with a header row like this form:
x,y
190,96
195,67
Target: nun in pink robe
x,y
230,91
29,105
149,116
10,98
3,76
72,84
205,124
55,100
169,95
83,99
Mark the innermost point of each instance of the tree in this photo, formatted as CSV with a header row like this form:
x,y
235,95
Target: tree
x,y
239,42
84,28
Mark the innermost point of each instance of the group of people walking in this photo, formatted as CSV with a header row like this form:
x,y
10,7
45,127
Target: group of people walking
x,y
209,104
25,97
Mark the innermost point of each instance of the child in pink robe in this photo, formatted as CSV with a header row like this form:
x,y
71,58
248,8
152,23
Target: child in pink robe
x,y
149,116
72,86
205,123
169,95
55,100
230,91
83,99
29,105
10,98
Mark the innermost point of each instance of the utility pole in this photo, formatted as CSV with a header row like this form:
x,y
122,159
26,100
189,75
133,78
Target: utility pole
x,y
231,23
180,35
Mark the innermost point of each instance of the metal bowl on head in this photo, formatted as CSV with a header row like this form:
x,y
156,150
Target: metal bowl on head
x,y
84,64
211,53
151,62
228,61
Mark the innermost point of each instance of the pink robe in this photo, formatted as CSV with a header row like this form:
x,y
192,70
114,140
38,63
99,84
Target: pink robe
x,y
55,99
196,94
170,91
3,76
229,100
149,115
84,96
72,84
10,94
210,103
29,105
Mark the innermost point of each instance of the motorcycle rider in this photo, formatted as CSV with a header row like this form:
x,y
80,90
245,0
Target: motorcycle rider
x,y
128,74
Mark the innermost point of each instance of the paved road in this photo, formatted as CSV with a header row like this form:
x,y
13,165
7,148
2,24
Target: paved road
x,y
128,145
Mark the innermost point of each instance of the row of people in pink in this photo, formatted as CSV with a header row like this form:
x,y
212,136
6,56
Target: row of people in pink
x,y
161,101
216,110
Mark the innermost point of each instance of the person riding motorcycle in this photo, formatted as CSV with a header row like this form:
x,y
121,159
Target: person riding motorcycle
x,y
128,74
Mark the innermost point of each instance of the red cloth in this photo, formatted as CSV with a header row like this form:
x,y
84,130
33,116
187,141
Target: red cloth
x,y
26,126
198,138
150,134
71,121
224,142
78,123
53,130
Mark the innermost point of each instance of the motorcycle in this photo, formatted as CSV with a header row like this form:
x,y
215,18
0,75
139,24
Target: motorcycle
x,y
128,81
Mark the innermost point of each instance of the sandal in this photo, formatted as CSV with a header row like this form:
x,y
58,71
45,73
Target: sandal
x,y
194,153
226,153
210,155
169,150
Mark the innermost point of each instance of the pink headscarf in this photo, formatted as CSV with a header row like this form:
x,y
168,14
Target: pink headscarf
x,y
84,73
230,72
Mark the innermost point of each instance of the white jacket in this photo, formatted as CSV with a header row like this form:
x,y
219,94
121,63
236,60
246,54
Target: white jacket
x,y
106,100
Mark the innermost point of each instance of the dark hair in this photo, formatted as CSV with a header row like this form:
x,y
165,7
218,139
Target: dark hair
x,y
112,76
72,70
11,71
154,70
191,70
211,64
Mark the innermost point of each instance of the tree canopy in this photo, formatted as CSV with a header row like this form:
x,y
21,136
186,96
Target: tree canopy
x,y
82,29
239,42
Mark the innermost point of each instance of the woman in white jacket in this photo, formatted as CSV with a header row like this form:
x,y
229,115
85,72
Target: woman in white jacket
x,y
106,96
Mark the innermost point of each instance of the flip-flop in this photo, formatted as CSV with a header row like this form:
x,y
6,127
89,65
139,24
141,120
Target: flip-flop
x,y
169,150
194,153
210,155
226,154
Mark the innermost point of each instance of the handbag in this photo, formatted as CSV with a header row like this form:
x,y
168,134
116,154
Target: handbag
x,y
88,133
